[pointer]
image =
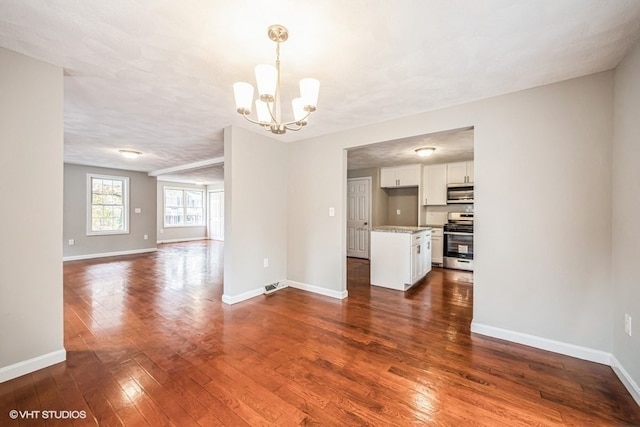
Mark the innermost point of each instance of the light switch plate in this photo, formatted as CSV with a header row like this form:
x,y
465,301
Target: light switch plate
x,y
332,211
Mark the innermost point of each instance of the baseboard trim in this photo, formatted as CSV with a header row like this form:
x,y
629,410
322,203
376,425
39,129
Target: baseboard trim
x,y
228,299
108,254
567,349
27,366
318,290
626,379
186,239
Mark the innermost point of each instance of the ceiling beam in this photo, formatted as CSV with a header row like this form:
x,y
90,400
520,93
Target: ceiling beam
x,y
188,166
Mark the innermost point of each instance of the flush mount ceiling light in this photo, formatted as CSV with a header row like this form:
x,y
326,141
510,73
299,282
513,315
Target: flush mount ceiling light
x,y
268,106
129,154
425,151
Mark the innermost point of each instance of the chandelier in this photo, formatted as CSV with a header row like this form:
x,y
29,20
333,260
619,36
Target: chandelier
x,y
268,106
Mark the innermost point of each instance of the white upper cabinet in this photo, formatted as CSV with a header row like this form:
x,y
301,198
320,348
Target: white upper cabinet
x,y
470,171
434,185
401,176
388,177
460,172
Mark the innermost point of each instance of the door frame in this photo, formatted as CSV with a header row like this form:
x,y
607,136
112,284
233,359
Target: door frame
x,y
367,178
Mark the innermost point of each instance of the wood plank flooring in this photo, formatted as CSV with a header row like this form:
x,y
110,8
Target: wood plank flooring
x,y
150,343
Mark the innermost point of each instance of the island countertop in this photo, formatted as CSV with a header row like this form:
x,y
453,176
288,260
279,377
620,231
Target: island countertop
x,y
400,229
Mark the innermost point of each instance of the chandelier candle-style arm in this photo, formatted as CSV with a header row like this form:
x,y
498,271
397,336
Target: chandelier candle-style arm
x,y
268,103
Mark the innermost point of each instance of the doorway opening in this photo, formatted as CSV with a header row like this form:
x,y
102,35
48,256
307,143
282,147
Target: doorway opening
x,y
408,190
216,215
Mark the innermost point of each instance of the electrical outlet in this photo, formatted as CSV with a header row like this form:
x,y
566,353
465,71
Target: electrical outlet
x,y
72,242
397,211
265,262
146,237
627,324
332,211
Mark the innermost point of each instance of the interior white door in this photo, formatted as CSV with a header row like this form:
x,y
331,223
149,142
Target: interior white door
x,y
358,217
216,215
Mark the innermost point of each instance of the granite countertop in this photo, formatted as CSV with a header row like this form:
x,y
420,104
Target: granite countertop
x,y
400,229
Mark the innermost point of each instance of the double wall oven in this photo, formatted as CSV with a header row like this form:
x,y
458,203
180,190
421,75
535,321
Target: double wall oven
x,y
458,241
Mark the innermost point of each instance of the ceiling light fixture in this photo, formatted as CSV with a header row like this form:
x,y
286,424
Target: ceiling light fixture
x,y
130,154
425,151
268,106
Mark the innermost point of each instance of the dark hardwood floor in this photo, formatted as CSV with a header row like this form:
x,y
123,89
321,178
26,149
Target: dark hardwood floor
x,y
150,343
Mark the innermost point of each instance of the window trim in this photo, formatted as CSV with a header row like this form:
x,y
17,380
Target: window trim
x,y
125,205
183,189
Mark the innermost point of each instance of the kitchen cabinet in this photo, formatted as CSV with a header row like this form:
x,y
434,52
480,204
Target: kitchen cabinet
x,y
460,172
401,176
417,257
434,185
426,254
400,256
437,246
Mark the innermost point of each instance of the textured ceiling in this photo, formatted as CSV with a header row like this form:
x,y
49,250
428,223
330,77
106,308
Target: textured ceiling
x,y
449,147
206,175
156,75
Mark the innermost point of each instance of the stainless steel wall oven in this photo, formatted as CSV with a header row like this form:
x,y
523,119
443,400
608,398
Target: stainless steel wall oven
x,y
458,241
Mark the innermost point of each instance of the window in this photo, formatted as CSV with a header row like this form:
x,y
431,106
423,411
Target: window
x,y
108,204
183,207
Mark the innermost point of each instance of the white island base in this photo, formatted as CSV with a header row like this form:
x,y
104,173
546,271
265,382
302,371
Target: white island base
x,y
400,256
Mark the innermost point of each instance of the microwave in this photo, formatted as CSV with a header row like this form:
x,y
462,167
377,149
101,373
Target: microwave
x,y
459,193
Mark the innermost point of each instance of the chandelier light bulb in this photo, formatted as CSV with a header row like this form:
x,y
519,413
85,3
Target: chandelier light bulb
x,y
309,89
243,93
262,109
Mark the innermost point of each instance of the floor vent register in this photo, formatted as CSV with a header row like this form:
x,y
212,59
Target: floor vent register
x,y
269,289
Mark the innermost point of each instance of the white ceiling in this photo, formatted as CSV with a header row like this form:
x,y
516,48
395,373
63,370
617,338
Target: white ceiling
x,y
156,75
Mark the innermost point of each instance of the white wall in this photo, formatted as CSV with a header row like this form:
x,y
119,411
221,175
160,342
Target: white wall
x,y
31,133
255,190
543,174
626,211
179,234
316,241
543,217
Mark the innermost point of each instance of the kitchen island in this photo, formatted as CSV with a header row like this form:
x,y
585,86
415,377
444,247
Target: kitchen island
x,y
400,256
